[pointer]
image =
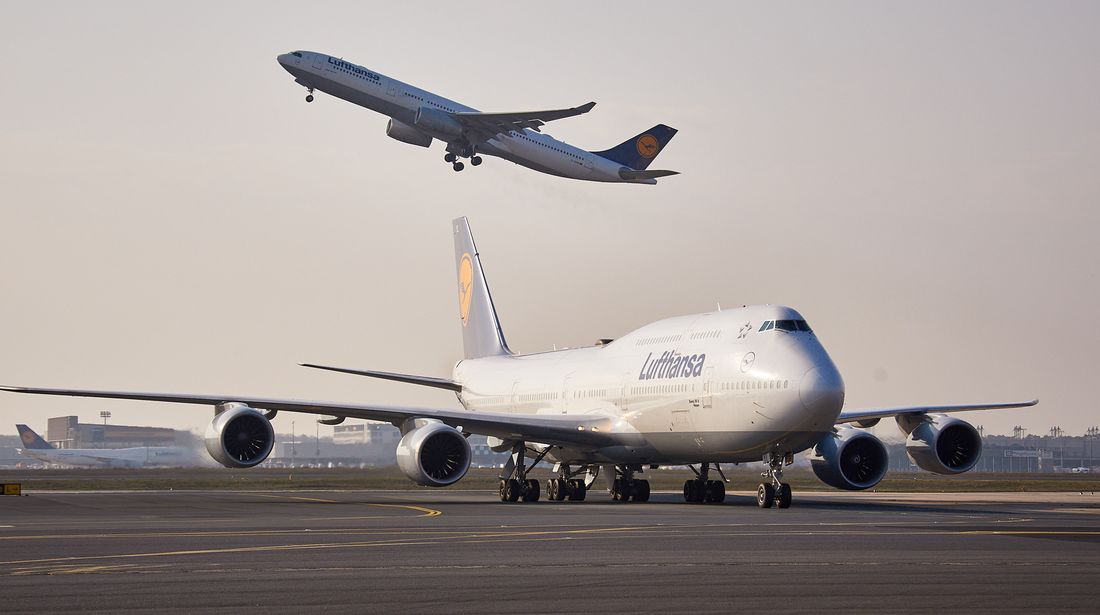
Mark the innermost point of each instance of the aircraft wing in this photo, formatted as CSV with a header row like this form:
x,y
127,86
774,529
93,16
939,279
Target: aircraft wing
x,y
852,416
485,126
576,430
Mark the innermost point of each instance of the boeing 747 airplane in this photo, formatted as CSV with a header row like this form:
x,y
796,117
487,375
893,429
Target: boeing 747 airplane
x,y
742,385
418,116
134,457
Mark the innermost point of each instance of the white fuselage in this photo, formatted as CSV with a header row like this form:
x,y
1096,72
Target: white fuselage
x,y
136,457
709,387
401,101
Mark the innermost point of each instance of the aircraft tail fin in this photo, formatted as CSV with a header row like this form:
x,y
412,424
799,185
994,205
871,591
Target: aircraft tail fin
x,y
481,332
31,440
638,151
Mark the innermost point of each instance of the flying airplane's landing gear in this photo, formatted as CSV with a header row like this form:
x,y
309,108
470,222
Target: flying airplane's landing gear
x,y
449,157
565,488
703,489
458,166
776,492
514,484
626,488
475,160
309,97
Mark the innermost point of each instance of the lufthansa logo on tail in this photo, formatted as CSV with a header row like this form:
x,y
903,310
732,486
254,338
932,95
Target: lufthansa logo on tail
x,y
28,438
465,284
648,146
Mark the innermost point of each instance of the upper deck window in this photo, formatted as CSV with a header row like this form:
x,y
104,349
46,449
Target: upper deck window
x,y
786,325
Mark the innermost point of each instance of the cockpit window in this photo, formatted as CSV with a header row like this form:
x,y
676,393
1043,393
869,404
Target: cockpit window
x,y
786,325
296,54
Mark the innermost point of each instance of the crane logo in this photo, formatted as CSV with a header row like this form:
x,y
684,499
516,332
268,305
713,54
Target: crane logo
x,y
465,287
28,438
648,146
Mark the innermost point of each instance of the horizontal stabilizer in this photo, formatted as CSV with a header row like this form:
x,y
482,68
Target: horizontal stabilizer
x,y
631,174
428,381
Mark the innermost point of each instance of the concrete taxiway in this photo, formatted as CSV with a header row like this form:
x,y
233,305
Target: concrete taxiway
x,y
462,551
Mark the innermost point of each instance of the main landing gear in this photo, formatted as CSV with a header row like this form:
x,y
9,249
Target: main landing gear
x,y
514,484
626,488
565,488
776,491
703,489
467,152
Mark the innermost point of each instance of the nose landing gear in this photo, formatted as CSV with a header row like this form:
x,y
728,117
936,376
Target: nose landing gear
x,y
775,492
309,97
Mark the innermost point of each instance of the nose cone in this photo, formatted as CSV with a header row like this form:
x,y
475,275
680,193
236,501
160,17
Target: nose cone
x,y
822,392
284,59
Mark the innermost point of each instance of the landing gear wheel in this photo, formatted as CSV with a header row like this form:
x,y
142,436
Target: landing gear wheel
x,y
716,492
620,490
783,496
530,490
577,490
309,97
692,491
551,489
640,491
449,157
475,160
510,490
765,495
458,166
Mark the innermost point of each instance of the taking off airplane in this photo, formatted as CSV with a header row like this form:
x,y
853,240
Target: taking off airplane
x,y
734,386
419,116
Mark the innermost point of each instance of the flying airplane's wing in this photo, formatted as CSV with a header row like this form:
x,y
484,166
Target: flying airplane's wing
x,y
575,430
852,416
428,381
485,126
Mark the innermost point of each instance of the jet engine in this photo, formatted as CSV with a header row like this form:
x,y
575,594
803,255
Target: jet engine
x,y
434,455
240,437
437,122
850,459
940,443
407,134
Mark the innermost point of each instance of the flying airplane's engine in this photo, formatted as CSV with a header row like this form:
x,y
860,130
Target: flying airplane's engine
x,y
437,122
850,459
434,455
240,437
407,134
940,443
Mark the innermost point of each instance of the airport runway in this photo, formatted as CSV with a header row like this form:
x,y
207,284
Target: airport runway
x,y
462,551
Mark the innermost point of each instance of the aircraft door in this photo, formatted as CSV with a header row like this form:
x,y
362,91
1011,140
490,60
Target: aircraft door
x,y
708,386
318,61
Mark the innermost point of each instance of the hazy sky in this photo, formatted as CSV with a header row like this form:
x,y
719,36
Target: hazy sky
x,y
920,180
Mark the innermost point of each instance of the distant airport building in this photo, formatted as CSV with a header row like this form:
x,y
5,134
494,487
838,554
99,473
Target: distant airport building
x,y
69,432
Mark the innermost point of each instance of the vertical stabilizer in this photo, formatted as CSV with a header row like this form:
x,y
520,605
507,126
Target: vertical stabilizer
x,y
481,333
30,439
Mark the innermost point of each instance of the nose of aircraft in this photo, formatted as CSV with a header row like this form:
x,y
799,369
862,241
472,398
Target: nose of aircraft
x,y
283,59
822,392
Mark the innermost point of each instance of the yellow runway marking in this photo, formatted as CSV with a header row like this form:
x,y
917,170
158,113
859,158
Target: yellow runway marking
x,y
427,512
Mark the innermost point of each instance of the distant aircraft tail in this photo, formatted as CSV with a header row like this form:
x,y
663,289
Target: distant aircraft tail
x,y
30,439
639,151
481,333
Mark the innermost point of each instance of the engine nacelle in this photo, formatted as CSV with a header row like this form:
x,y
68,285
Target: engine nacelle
x,y
940,443
240,437
434,455
850,459
437,123
407,134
